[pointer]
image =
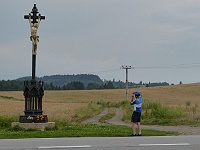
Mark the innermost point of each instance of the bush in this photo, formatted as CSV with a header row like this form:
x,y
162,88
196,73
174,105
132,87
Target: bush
x,y
6,121
155,113
82,113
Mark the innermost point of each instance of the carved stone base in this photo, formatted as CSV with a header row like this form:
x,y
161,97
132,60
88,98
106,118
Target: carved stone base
x,y
35,126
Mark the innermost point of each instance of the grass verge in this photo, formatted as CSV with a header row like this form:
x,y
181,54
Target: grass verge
x,y
77,130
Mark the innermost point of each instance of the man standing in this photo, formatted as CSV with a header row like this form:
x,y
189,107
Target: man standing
x,y
137,110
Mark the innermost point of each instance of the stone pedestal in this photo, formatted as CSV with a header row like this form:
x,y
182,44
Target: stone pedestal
x,y
35,126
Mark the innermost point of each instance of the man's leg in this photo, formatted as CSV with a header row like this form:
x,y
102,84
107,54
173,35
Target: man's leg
x,y
133,128
139,128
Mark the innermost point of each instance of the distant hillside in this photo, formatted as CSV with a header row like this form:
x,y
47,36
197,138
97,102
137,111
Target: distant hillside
x,y
60,80
73,82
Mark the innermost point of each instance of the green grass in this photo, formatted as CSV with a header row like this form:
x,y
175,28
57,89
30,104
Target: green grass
x,y
92,110
6,121
66,129
77,130
109,115
10,98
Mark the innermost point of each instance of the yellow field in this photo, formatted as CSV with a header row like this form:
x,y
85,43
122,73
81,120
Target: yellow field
x,y
62,104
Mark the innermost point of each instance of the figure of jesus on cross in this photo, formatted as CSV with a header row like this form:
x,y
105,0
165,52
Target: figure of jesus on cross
x,y
34,21
34,37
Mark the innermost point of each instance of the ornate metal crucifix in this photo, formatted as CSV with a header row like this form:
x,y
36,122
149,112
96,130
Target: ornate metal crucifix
x,y
34,16
33,90
34,20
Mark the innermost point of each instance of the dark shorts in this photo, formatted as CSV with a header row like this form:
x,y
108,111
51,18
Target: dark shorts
x,y
135,117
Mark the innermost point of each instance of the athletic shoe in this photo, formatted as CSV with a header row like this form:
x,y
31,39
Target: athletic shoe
x,y
133,135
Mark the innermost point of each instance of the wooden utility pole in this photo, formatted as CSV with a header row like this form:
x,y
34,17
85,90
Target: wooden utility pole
x,y
126,67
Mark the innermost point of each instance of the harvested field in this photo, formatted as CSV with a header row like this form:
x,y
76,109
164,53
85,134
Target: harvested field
x,y
61,111
8,107
62,104
174,94
83,96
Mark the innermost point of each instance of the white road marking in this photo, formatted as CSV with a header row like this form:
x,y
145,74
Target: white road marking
x,y
170,144
53,147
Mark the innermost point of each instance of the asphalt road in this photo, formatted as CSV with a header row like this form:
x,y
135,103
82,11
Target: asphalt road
x,y
108,143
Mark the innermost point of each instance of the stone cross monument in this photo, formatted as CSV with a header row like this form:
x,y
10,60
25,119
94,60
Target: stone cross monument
x,y
33,90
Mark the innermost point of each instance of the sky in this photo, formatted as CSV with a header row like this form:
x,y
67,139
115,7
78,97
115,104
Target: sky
x,y
158,38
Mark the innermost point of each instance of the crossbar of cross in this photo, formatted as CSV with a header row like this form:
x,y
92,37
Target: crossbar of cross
x,y
34,15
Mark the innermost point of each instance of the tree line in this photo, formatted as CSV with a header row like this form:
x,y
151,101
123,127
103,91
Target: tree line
x,y
73,82
15,85
60,80
77,85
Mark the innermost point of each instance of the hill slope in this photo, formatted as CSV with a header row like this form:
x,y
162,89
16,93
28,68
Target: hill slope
x,y
60,80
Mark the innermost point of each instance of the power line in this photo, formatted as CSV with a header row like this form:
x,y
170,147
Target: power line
x,y
192,65
106,71
186,66
175,66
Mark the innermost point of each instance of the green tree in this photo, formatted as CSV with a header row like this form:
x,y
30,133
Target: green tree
x,y
74,86
93,86
109,85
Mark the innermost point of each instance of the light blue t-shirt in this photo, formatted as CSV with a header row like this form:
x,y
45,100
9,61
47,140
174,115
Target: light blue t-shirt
x,y
137,105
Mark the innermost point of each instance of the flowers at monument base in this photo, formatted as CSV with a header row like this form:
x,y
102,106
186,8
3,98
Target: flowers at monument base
x,y
40,117
29,118
34,118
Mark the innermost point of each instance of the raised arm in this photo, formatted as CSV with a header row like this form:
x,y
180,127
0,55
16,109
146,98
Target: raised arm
x,y
29,19
39,19
131,103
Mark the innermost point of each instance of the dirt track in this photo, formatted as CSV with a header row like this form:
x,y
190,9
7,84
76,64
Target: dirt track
x,y
116,120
